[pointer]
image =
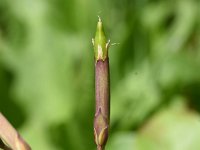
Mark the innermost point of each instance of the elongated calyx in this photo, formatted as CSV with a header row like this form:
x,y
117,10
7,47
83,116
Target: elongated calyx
x,y
100,43
102,88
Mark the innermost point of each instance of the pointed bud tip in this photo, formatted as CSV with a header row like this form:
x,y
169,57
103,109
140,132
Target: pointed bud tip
x,y
100,27
100,43
99,18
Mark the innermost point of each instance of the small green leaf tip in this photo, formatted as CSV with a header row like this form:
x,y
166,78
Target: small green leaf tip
x,y
100,43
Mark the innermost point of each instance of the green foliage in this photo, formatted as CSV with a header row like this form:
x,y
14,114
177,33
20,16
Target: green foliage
x,y
47,72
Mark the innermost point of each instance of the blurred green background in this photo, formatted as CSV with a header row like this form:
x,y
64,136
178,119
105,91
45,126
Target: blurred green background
x,y
47,72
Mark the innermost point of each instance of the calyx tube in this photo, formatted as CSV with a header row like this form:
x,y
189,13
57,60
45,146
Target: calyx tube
x,y
102,87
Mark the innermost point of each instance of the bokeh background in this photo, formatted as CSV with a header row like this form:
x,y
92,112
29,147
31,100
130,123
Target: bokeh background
x,y
47,72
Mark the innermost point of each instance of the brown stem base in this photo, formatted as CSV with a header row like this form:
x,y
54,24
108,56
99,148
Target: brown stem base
x,y
100,148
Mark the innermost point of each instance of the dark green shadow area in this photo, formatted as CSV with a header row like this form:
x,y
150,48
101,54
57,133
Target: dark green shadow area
x,y
63,135
10,109
192,93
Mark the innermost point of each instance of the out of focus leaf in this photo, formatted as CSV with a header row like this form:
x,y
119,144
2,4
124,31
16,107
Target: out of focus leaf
x,y
122,140
176,127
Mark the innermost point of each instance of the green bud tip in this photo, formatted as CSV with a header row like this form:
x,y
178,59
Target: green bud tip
x,y
100,43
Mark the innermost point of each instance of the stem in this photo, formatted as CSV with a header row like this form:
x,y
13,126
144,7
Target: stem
x,y
3,146
100,148
102,88
10,138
